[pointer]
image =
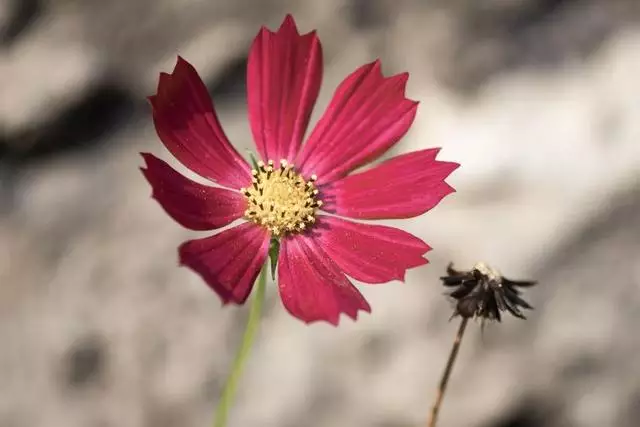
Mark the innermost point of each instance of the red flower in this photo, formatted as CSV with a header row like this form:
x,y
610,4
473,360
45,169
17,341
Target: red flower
x,y
282,198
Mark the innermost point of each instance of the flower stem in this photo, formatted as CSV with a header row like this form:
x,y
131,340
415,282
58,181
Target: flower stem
x,y
229,391
447,373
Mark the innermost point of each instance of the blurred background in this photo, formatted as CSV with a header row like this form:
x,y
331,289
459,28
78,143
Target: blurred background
x,y
539,100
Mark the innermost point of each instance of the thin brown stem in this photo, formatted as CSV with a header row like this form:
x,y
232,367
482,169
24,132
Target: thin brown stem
x,y
447,373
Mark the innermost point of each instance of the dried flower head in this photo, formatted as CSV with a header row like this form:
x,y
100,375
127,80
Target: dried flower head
x,y
483,292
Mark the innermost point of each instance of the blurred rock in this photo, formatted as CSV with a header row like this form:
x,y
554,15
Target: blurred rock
x,y
75,46
100,327
497,36
15,17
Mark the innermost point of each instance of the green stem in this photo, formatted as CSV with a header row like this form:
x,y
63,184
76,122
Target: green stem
x,y
229,391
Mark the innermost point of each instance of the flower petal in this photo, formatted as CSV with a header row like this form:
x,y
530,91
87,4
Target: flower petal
x,y
188,126
402,187
284,73
369,253
192,205
367,115
230,261
312,287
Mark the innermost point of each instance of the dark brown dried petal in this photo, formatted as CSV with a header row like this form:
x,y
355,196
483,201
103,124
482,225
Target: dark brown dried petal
x,y
520,283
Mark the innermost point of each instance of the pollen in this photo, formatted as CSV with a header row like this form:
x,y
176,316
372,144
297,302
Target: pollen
x,y
280,199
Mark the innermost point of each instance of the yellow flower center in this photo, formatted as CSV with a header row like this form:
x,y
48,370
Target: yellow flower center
x,y
280,199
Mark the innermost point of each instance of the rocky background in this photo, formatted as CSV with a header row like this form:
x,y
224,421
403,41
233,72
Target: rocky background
x,y
538,99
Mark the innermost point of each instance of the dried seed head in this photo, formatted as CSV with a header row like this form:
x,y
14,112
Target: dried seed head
x,y
484,293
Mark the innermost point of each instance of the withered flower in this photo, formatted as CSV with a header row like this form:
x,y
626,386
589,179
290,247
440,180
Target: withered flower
x,y
483,292
480,292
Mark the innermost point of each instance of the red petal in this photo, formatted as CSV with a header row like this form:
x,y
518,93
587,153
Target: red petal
x,y
367,115
187,124
370,253
284,73
402,187
193,205
230,261
312,286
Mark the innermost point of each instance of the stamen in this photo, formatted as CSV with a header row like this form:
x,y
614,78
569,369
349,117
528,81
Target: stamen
x,y
280,199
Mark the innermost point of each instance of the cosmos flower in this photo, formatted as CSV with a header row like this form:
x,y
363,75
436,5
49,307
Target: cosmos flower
x,y
286,196
483,292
